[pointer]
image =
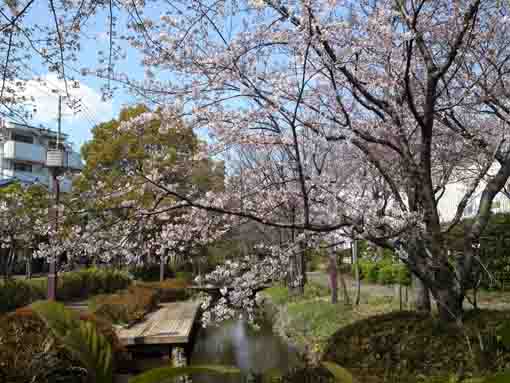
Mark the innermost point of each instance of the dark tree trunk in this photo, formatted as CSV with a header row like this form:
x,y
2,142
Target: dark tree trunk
x,y
161,269
28,258
333,277
449,304
11,259
296,278
433,274
357,277
347,299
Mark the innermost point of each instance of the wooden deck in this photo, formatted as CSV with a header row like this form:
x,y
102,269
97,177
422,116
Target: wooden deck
x,y
171,324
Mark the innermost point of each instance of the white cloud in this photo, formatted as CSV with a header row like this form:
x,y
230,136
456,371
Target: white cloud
x,y
44,94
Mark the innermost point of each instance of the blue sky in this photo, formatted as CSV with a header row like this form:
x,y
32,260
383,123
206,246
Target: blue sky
x,y
92,109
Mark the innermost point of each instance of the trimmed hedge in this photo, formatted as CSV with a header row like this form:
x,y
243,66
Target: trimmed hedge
x,y
71,286
15,293
150,272
133,304
185,276
127,307
84,283
170,290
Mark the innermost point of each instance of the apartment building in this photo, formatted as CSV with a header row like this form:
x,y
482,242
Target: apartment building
x,y
23,155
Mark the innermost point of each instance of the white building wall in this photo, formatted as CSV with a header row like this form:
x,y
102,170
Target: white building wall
x,y
448,203
32,155
454,193
24,152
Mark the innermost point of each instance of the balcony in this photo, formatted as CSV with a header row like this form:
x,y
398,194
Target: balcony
x,y
26,177
22,151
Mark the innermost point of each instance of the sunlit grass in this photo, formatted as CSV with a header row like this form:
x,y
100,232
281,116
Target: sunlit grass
x,y
311,319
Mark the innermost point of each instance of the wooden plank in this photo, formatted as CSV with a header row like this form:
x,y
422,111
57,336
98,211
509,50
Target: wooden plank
x,y
170,324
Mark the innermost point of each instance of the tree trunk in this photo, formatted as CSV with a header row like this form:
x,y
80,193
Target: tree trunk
x,y
11,259
449,304
161,269
345,291
28,258
400,296
296,280
333,277
422,295
357,277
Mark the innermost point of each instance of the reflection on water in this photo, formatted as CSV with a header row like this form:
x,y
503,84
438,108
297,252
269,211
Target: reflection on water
x,y
236,343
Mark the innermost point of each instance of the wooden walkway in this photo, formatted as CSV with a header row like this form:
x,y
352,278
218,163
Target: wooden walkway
x,y
171,324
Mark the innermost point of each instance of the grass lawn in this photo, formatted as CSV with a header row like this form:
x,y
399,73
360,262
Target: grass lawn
x,y
311,320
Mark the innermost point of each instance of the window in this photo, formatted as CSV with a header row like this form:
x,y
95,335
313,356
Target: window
x,y
22,167
52,144
23,138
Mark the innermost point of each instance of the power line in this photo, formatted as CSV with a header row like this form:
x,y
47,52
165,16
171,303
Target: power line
x,y
89,116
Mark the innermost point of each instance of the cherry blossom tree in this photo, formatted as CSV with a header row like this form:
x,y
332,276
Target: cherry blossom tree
x,y
118,214
362,112
23,219
411,90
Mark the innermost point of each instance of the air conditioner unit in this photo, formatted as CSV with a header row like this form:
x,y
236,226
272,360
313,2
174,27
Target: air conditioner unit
x,y
56,159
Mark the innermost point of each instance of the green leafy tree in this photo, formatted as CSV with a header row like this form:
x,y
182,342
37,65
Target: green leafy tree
x,y
125,169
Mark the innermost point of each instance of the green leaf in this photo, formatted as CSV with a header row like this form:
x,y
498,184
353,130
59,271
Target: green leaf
x,y
80,338
503,332
503,377
272,375
159,375
341,374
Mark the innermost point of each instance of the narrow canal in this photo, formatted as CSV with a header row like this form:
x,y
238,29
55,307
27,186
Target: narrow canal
x,y
236,343
233,343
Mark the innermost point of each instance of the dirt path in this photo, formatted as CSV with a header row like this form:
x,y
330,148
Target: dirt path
x,y
487,300
367,289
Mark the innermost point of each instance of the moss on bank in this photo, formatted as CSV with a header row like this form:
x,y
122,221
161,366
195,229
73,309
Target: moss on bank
x,y
410,347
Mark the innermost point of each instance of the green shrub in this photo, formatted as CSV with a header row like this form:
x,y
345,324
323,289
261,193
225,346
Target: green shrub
x,y
402,275
14,294
279,294
150,272
398,347
170,290
30,353
369,271
184,275
314,263
314,290
386,274
83,283
70,286
126,307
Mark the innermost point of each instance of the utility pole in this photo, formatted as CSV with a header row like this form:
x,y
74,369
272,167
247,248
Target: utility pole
x,y
52,275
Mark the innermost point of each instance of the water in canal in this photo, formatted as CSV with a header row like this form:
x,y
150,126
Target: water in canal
x,y
237,344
